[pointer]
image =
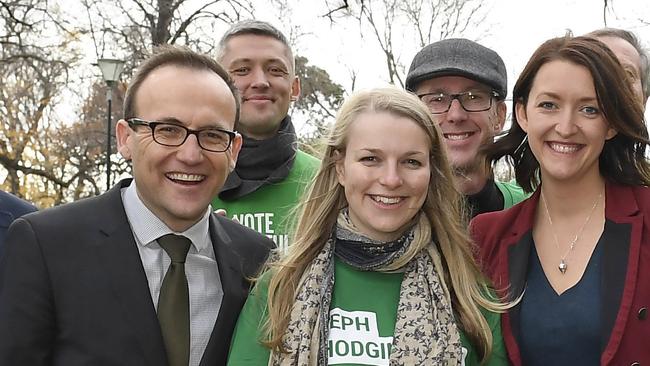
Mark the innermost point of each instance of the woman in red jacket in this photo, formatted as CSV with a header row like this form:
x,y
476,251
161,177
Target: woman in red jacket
x,y
577,252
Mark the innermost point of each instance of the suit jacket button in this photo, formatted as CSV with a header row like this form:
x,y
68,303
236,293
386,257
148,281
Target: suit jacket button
x,y
635,364
643,313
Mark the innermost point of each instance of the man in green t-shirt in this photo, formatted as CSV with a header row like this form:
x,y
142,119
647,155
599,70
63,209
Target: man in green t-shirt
x,y
464,84
271,173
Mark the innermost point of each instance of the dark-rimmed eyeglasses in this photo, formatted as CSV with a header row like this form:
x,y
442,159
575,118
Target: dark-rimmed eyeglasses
x,y
471,101
171,134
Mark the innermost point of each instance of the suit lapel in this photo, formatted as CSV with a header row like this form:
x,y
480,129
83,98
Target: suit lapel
x,y
118,253
234,294
518,258
517,245
620,264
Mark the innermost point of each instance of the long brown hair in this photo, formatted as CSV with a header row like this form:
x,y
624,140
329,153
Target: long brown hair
x,y
623,157
442,212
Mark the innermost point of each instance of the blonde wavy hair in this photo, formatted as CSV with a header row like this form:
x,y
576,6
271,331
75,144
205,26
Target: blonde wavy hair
x,y
442,219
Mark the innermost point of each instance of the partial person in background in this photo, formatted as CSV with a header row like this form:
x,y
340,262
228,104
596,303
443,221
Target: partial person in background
x,y
577,251
11,207
464,84
631,54
381,269
271,172
143,274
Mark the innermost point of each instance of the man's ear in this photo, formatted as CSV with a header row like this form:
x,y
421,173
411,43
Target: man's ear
x,y
500,121
123,136
522,118
235,148
295,89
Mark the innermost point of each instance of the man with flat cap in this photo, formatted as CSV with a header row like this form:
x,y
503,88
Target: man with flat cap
x,y
464,84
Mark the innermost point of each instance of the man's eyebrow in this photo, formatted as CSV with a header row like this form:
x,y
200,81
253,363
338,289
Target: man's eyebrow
x,y
266,61
172,120
241,60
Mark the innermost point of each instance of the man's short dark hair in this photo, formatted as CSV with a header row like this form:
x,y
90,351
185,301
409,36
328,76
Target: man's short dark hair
x,y
170,55
258,28
632,39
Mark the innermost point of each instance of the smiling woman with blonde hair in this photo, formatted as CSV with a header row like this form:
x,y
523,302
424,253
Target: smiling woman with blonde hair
x,y
380,269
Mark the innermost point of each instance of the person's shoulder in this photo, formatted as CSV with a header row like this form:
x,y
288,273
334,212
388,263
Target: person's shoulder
x,y
245,238
77,208
252,247
492,217
510,186
240,231
14,205
512,192
80,213
640,191
496,223
307,160
626,195
304,168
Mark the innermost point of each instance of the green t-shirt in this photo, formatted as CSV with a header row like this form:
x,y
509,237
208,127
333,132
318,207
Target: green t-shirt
x,y
268,209
362,321
512,193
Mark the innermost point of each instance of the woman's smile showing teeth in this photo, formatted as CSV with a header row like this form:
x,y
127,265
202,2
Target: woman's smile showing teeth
x,y
386,200
564,148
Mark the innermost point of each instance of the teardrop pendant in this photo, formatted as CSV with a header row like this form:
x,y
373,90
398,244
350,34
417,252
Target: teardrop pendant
x,y
562,267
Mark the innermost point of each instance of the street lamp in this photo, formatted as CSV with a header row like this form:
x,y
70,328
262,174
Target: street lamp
x,y
111,70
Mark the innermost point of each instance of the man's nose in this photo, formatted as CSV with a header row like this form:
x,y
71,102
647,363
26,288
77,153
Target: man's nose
x,y
190,151
259,78
456,112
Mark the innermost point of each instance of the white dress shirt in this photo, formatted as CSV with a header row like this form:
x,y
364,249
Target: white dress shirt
x,y
204,283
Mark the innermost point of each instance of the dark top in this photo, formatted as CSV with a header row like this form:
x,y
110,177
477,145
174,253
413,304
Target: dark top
x,y
567,326
504,243
73,290
487,199
11,207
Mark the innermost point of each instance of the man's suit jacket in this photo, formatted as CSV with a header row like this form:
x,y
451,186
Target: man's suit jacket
x,y
73,290
11,207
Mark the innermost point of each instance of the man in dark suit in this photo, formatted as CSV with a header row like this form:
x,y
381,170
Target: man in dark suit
x,y
11,207
144,274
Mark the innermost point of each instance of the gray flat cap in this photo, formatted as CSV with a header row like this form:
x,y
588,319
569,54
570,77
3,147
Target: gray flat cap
x,y
461,57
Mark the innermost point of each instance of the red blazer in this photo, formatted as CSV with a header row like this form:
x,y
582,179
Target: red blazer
x,y
504,239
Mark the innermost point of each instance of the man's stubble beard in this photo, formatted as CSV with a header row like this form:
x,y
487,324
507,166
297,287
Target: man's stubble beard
x,y
469,169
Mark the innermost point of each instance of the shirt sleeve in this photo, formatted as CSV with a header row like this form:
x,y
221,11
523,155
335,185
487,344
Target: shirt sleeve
x,y
246,349
498,356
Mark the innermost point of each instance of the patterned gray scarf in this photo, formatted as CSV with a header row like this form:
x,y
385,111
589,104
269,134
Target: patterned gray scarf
x,y
262,162
425,329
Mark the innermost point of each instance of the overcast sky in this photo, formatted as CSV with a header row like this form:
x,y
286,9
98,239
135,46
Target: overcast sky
x,y
513,28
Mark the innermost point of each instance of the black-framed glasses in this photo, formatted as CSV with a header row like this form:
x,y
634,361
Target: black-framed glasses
x,y
471,101
171,134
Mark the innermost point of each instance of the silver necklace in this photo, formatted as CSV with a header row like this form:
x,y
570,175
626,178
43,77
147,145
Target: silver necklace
x,y
563,264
